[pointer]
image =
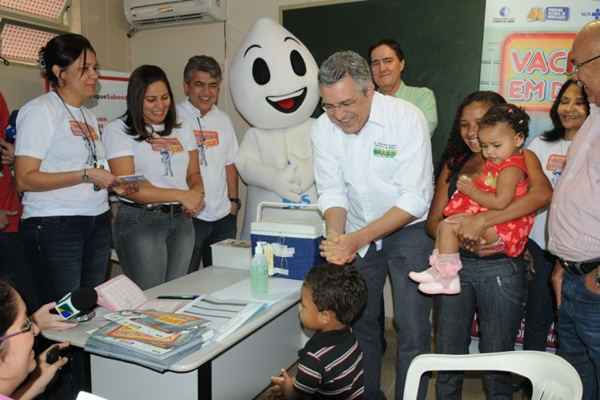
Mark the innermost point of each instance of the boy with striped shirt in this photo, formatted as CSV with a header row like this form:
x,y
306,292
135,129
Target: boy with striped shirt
x,y
330,365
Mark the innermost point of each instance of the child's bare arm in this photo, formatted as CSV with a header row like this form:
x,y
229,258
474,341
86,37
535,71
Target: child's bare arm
x,y
506,184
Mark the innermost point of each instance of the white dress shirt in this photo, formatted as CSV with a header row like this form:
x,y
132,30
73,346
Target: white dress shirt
x,y
387,164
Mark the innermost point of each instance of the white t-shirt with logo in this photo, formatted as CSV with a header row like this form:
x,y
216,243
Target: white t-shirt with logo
x,y
162,160
552,156
55,133
217,148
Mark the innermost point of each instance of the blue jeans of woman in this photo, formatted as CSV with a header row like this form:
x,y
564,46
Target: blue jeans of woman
x,y
66,253
15,269
497,289
405,250
153,246
579,332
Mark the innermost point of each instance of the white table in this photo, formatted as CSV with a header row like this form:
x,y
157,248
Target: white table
x,y
239,367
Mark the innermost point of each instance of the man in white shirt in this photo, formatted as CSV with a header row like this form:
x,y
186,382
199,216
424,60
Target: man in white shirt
x,y
217,150
373,170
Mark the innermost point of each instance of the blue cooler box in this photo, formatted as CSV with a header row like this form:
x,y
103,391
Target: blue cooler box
x,y
295,246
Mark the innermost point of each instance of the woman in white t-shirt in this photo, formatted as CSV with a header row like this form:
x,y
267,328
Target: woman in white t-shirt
x,y
59,158
568,112
154,231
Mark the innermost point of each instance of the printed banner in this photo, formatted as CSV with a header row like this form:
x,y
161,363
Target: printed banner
x,y
111,100
525,51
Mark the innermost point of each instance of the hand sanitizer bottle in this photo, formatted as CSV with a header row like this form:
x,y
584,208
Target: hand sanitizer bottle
x,y
258,272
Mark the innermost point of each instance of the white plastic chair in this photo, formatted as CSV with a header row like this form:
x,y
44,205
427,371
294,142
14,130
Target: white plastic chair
x,y
552,377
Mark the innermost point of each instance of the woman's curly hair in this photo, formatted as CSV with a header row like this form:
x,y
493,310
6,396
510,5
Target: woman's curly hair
x,y
457,152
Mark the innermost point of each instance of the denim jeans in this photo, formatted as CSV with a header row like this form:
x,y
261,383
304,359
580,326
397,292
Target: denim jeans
x,y
67,252
405,250
497,288
15,269
539,312
579,332
153,247
207,233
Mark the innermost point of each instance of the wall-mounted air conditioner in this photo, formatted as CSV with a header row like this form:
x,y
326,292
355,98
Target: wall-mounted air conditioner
x,y
145,14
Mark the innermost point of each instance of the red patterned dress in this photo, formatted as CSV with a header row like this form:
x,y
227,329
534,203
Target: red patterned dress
x,y
514,234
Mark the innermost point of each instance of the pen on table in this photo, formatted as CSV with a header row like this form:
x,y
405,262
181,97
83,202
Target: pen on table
x,y
178,297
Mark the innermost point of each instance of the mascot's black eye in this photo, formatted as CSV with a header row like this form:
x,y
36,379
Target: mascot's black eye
x,y
260,71
298,64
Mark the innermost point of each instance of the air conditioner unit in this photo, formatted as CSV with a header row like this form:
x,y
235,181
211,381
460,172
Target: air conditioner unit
x,y
146,14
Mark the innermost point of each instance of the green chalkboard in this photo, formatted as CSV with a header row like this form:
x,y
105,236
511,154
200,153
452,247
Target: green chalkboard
x,y
442,41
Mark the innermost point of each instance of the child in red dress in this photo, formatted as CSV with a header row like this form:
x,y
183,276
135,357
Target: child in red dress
x,y
503,130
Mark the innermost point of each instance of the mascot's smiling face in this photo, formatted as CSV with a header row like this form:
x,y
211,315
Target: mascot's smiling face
x,y
273,78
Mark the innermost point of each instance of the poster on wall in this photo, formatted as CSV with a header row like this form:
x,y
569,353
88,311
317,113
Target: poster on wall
x,y
111,100
525,58
525,51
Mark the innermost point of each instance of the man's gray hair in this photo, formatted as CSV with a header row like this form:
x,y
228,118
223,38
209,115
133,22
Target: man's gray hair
x,y
202,63
343,63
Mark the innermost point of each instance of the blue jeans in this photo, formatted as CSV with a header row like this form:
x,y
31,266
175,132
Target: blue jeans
x,y
207,233
497,288
405,250
15,269
153,247
579,332
67,252
539,312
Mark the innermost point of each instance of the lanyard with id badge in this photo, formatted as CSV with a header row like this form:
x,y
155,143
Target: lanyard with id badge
x,y
88,138
202,144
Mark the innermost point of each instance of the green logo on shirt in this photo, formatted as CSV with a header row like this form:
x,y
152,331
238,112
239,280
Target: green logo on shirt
x,y
385,150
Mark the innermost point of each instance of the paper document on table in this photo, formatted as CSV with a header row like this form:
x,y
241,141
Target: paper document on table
x,y
121,293
279,288
225,315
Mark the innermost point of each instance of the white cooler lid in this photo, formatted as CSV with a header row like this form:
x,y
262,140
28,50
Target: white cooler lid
x,y
281,229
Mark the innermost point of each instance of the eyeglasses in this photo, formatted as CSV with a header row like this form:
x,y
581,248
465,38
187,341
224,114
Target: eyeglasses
x,y
343,106
26,328
577,67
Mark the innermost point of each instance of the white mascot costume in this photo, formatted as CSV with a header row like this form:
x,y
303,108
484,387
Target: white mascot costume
x,y
273,81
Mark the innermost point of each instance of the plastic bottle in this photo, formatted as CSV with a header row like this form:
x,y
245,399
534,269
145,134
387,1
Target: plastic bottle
x,y
259,278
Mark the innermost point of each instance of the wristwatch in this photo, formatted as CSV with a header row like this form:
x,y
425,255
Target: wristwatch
x,y
237,201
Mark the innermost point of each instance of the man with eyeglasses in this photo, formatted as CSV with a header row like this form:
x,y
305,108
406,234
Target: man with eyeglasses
x,y
574,226
217,150
387,65
373,171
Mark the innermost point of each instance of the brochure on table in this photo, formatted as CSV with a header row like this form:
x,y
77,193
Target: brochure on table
x,y
157,338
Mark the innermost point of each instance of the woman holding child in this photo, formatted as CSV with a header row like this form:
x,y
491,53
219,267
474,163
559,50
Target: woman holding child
x,y
490,280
